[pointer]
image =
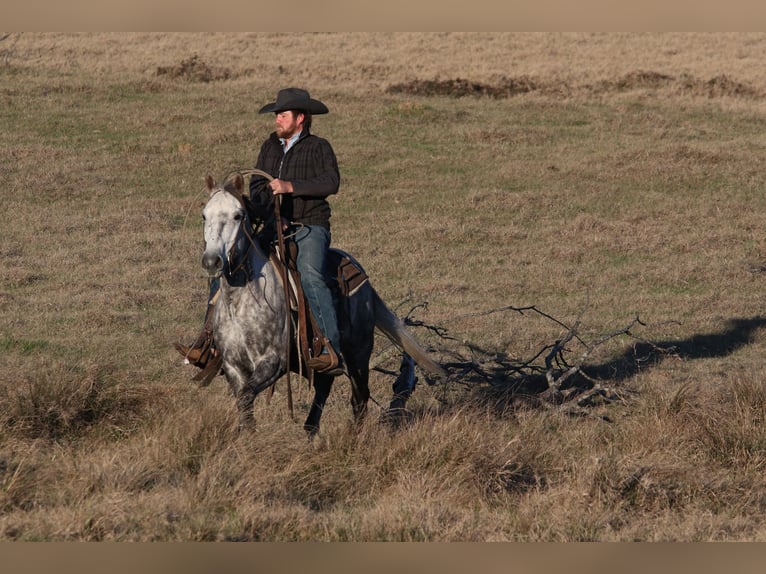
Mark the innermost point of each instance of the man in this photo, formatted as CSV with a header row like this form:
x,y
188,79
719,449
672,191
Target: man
x,y
305,172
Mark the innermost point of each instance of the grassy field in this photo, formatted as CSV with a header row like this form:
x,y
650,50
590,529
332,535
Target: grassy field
x,y
596,177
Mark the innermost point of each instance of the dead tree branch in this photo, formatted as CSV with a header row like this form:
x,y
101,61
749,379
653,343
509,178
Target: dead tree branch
x,y
557,373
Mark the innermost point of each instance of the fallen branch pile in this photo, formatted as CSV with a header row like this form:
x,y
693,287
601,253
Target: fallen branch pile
x,y
557,374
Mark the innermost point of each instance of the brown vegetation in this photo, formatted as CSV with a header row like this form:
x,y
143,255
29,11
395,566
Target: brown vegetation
x,y
594,177
717,86
194,69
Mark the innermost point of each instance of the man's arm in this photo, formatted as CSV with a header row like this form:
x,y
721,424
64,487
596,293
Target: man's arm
x,y
327,180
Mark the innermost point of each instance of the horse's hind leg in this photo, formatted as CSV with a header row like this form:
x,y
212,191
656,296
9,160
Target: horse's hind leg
x,y
360,390
322,387
404,384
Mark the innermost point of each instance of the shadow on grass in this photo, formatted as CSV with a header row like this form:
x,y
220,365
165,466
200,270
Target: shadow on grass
x,y
736,334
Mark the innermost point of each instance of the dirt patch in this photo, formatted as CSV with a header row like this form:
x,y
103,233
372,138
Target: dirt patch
x,y
460,87
195,70
640,79
719,86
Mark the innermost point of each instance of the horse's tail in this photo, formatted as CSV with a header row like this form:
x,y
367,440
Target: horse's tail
x,y
393,328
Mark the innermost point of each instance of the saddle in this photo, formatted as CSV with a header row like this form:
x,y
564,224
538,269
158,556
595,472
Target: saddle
x,y
310,340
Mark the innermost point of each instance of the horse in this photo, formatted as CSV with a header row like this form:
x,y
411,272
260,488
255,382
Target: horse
x,y
251,326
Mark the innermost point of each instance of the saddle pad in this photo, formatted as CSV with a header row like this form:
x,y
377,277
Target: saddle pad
x,y
349,273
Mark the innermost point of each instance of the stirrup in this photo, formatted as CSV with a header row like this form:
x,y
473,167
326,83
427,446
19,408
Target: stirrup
x,y
199,352
326,363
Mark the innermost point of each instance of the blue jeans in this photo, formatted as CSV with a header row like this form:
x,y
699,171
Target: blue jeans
x,y
313,242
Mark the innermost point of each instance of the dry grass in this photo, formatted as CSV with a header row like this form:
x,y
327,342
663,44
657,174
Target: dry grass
x,y
594,176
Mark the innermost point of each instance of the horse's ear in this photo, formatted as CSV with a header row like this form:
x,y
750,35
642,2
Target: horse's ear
x,y
239,185
210,182
235,185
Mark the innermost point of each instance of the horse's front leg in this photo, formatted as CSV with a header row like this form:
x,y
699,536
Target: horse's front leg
x,y
265,373
244,398
245,401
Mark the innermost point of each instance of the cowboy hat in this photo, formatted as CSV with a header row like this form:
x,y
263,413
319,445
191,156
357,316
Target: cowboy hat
x,y
294,99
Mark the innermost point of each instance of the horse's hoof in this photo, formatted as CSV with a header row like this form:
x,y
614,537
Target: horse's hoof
x,y
246,424
311,430
395,417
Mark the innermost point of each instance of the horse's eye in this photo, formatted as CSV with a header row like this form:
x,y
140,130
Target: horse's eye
x,y
203,217
237,216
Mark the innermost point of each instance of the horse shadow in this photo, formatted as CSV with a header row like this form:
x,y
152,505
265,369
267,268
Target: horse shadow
x,y
737,333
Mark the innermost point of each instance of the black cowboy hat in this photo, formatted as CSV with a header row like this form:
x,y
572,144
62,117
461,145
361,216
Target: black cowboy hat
x,y
294,99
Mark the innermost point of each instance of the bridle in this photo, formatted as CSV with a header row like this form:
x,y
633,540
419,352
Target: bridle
x,y
231,254
243,259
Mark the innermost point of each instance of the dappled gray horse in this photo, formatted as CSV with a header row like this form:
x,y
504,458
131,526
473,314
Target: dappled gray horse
x,y
250,323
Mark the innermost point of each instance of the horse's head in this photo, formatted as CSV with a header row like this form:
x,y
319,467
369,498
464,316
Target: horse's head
x,y
224,217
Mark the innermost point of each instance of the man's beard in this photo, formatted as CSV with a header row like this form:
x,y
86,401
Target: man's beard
x,y
282,133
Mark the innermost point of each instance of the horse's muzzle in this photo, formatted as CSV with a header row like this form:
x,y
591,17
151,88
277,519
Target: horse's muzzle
x,y
213,264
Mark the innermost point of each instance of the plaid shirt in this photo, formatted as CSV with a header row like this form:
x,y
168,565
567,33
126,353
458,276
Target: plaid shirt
x,y
310,165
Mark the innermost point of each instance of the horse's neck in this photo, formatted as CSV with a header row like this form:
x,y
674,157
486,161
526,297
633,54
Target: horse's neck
x,y
249,256
256,278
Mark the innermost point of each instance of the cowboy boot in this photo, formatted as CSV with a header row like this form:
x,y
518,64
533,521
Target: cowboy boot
x,y
327,361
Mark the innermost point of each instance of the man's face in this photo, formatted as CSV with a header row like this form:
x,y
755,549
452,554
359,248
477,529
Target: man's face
x,y
288,123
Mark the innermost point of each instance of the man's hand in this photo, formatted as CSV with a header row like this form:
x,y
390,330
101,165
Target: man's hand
x,y
280,186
